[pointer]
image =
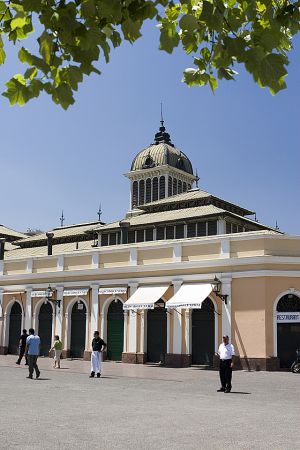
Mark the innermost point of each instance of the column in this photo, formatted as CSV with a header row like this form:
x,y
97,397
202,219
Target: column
x,y
94,308
28,309
132,332
177,325
59,311
177,254
125,332
188,331
226,309
1,319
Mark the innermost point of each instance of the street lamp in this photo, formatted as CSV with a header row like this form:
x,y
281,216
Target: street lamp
x,y
49,294
216,285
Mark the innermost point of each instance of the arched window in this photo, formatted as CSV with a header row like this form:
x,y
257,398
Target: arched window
x,y
184,186
174,186
162,187
189,187
142,192
155,189
179,187
170,181
148,190
134,194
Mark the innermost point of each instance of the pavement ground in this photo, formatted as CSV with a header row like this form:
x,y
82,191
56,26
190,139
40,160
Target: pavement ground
x,y
145,407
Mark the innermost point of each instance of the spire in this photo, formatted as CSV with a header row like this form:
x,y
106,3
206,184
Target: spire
x,y
62,219
162,137
99,212
197,179
277,227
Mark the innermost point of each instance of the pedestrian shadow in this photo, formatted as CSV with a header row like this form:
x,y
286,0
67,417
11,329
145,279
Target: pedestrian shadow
x,y
43,379
240,392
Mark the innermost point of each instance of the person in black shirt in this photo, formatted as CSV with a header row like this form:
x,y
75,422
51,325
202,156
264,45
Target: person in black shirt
x,y
98,346
22,346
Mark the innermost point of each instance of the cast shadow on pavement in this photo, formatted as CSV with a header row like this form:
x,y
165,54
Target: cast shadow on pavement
x,y
43,379
240,392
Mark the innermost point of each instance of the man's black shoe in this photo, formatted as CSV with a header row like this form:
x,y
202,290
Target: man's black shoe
x,y
221,390
17,362
98,375
227,391
29,376
92,375
38,374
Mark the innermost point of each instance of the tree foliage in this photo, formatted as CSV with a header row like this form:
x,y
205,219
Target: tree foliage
x,y
72,36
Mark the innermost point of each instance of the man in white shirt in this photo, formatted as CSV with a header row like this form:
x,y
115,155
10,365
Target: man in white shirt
x,y
226,354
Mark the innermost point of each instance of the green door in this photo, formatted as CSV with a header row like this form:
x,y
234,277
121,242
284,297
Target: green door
x,y
115,331
45,328
78,325
15,325
203,333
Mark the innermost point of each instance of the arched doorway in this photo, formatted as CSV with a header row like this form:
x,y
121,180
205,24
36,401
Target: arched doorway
x,y
115,330
157,333
78,330
288,333
15,328
45,328
203,333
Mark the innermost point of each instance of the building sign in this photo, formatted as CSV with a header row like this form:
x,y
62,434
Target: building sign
x,y
135,306
288,317
113,291
40,294
75,292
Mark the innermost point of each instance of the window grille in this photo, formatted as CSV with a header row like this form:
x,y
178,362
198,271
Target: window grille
x,y
162,187
134,194
212,227
131,237
184,186
201,229
174,186
228,227
179,187
112,238
148,190
104,240
140,236
142,192
179,231
160,233
155,189
149,234
170,186
191,230
170,232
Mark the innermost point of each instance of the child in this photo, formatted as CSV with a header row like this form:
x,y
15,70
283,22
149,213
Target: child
x,y
57,347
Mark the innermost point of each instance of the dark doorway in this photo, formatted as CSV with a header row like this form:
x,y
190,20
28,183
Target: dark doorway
x,y
15,328
157,333
288,334
115,331
78,324
203,333
45,328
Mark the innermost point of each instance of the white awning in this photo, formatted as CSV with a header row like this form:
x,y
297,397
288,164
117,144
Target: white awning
x,y
190,296
145,297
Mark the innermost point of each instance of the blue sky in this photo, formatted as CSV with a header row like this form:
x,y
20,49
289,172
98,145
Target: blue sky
x,y
243,142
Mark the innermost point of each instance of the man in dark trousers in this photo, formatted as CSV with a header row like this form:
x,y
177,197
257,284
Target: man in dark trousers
x,y
226,354
32,351
22,346
98,345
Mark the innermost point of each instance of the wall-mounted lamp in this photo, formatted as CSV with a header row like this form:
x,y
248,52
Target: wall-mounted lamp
x,y
49,294
216,285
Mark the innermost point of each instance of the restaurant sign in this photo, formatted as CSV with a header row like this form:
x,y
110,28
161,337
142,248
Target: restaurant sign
x,y
288,317
75,292
113,291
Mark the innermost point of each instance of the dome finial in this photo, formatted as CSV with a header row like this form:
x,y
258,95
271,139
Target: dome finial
x,y
162,137
161,114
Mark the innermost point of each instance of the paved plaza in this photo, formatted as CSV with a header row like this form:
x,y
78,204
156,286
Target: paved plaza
x,y
145,407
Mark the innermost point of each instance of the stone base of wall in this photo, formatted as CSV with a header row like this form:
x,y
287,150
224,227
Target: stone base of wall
x,y
177,360
3,350
257,364
87,355
129,358
65,354
141,358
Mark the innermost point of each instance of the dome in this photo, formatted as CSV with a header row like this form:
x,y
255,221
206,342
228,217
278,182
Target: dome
x,y
162,153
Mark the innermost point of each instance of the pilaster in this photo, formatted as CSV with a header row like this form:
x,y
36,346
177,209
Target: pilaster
x,y
28,308
226,309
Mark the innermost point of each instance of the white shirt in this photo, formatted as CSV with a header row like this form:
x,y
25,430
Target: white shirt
x,y
226,351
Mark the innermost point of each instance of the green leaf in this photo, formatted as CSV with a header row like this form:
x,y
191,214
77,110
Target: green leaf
x,y
16,90
131,30
169,38
18,22
46,46
188,22
63,95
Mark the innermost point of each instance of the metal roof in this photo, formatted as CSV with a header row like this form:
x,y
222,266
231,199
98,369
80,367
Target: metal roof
x,y
5,231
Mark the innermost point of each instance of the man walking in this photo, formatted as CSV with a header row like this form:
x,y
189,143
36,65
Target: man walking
x,y
98,346
22,346
32,351
226,354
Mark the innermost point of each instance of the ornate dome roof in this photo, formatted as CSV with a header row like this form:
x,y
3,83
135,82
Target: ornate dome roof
x,y
162,153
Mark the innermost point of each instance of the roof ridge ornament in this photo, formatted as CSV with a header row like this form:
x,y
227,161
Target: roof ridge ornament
x,y
162,137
